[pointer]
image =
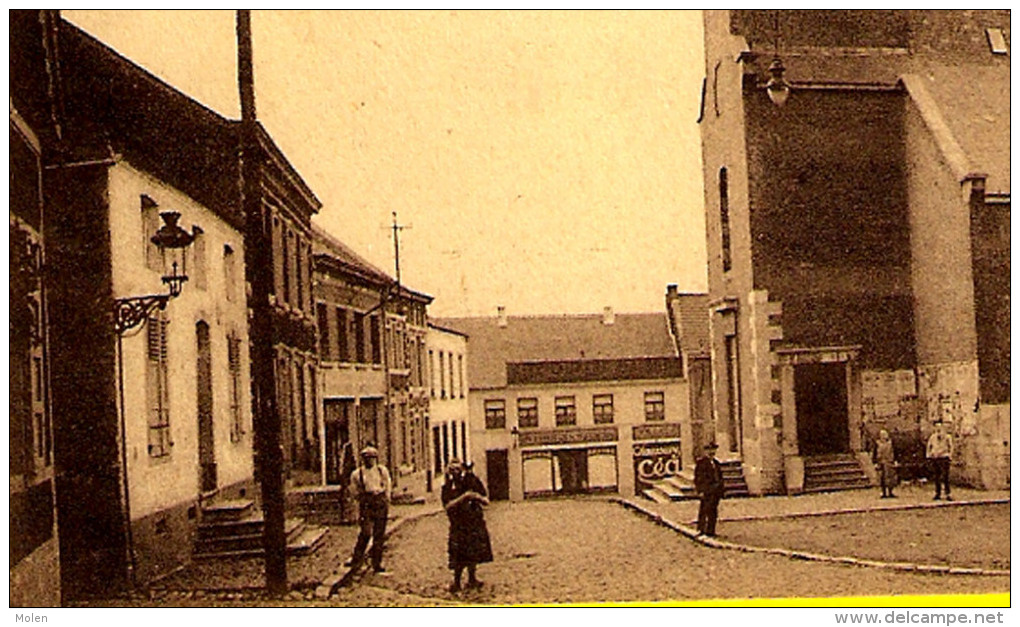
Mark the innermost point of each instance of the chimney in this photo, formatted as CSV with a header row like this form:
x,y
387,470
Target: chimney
x,y
671,291
608,317
501,316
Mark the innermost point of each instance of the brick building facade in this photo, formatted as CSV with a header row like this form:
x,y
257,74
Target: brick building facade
x,y
857,236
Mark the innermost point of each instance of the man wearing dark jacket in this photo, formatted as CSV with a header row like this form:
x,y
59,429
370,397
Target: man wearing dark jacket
x,y
708,482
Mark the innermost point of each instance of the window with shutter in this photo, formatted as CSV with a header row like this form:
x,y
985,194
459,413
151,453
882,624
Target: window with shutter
x,y
157,389
234,366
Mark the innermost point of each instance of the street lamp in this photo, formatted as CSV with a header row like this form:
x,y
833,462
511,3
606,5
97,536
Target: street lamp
x,y
130,312
777,87
173,242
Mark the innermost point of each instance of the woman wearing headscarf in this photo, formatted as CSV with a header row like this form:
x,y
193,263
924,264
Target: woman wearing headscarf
x,y
463,497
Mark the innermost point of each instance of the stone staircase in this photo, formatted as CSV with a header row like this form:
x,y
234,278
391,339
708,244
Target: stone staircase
x,y
234,529
828,473
680,487
733,479
318,504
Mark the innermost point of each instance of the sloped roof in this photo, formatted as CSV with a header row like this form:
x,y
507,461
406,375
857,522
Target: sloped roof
x,y
557,338
328,251
108,100
691,315
974,102
323,243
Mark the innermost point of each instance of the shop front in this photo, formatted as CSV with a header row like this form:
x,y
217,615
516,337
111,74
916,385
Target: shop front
x,y
558,462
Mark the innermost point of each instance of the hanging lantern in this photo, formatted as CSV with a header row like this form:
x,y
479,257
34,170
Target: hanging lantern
x,y
173,242
777,87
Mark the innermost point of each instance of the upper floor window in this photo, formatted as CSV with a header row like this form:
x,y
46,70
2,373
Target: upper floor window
x,y
724,218
442,375
495,413
527,413
655,406
199,263
230,272
460,373
432,376
602,409
150,224
376,338
359,338
566,411
343,352
322,318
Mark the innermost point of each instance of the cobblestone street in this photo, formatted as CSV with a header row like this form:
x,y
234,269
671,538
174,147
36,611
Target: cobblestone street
x,y
590,550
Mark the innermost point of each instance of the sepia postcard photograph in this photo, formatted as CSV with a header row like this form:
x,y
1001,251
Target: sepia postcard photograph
x,y
446,308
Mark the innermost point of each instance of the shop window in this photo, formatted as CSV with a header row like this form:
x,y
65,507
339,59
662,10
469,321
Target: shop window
x,y
655,406
566,411
527,413
602,409
495,414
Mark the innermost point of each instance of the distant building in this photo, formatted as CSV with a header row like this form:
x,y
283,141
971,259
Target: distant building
x,y
858,239
573,404
371,351
448,397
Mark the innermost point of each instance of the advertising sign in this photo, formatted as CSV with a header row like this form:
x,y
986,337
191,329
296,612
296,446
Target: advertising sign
x,y
654,462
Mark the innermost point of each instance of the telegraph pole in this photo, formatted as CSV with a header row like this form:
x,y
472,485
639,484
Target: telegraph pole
x,y
259,274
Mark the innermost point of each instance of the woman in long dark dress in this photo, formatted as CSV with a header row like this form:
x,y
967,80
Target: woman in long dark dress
x,y
464,496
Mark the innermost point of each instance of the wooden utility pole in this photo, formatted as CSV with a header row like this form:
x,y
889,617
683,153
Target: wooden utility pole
x,y
259,274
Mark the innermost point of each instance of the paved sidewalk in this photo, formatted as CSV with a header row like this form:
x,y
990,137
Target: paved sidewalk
x,y
681,517
908,496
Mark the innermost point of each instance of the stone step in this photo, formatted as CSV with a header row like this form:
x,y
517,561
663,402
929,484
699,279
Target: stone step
x,y
228,538
236,509
307,541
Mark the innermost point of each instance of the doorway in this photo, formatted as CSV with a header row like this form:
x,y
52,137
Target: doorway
x,y
497,472
204,395
573,465
822,412
339,456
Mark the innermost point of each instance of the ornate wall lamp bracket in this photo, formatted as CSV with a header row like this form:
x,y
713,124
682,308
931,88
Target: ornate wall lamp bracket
x,y
128,313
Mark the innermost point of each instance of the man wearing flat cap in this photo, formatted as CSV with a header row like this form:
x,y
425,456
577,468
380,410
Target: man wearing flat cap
x,y
371,487
708,482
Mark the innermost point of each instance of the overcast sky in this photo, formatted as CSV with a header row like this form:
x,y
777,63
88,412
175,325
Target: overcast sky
x,y
546,161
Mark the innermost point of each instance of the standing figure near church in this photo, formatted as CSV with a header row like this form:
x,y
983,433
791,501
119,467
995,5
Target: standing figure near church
x,y
708,482
885,459
940,453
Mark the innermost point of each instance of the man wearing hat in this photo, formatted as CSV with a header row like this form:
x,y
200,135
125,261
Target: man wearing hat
x,y
371,487
708,482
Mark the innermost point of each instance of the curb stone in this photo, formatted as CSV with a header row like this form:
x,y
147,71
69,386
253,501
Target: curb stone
x,y
815,557
862,510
